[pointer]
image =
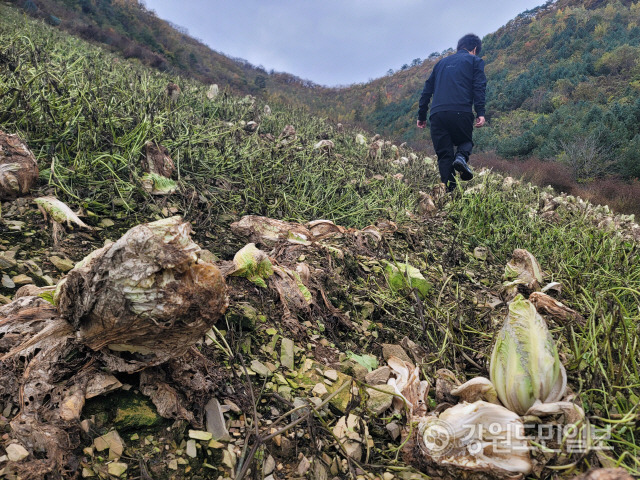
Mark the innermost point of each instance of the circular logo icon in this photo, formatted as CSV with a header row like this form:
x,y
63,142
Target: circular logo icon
x,y
437,437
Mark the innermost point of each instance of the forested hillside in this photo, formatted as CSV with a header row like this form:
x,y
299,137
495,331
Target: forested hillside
x,y
566,84
128,27
563,83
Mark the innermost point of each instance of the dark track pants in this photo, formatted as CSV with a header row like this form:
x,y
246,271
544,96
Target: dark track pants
x,y
449,129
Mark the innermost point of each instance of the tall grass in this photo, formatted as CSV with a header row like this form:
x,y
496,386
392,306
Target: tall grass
x,y
87,115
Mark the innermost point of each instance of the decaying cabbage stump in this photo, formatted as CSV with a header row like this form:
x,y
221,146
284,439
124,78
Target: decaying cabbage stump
x,y
157,160
148,295
18,167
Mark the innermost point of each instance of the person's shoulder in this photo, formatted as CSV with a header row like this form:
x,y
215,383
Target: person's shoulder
x,y
442,60
439,64
448,59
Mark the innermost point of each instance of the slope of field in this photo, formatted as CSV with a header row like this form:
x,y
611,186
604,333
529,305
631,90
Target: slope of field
x,y
563,79
87,114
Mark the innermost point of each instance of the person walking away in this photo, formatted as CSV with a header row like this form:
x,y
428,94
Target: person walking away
x,y
458,86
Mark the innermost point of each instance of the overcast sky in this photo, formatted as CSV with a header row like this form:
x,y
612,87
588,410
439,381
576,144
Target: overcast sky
x,y
336,42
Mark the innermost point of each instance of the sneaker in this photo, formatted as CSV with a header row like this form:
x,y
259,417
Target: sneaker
x,y
461,166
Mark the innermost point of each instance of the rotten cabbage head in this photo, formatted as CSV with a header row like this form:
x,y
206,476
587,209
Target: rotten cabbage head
x,y
476,437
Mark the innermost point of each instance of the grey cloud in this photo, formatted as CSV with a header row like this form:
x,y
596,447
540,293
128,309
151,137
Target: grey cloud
x,y
336,41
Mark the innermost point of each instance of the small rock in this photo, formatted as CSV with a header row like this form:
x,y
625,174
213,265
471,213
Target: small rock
x,y
113,442
391,350
303,466
379,376
347,430
106,223
200,435
286,447
215,444
331,375
269,465
87,472
62,264
100,444
287,353
7,282
173,464
285,391
16,452
229,458
388,476
28,291
260,368
303,408
354,450
117,468
335,468
379,401
319,390
232,406
319,470
22,279
394,430
280,380
85,425
359,371
101,383
7,259
191,449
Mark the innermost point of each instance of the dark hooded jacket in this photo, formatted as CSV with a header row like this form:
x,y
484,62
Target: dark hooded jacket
x,y
457,84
